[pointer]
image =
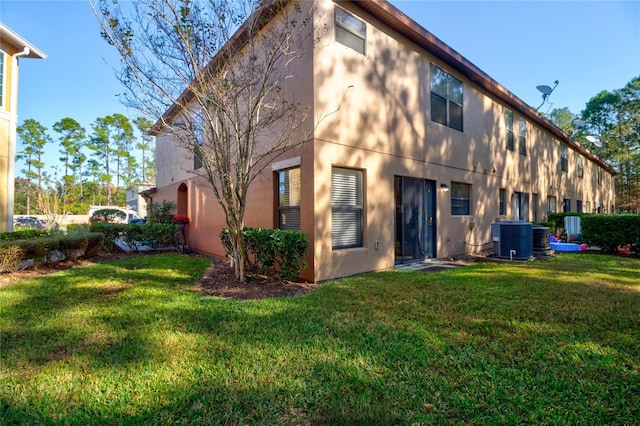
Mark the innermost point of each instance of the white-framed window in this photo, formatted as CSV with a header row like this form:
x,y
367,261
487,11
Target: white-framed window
x,y
460,199
289,198
350,31
508,124
587,206
522,137
347,215
502,195
446,98
564,157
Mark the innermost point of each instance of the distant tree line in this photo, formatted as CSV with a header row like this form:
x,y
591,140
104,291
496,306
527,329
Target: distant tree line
x,y
95,167
609,126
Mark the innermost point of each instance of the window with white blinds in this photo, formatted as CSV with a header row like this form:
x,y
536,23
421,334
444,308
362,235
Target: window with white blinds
x,y
289,199
346,208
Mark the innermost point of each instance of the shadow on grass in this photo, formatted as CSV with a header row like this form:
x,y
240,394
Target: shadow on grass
x,y
475,344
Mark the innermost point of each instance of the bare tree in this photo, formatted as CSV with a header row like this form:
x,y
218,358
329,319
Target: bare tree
x,y
215,74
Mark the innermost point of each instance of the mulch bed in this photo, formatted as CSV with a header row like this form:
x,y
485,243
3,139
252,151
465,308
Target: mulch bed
x,y
220,280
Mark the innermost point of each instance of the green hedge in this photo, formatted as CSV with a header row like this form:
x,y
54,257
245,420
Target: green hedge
x,y
39,248
273,251
154,234
611,231
22,235
557,219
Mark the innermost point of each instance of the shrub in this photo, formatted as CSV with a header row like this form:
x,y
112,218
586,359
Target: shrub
x,y
160,212
111,231
154,234
39,249
77,227
22,234
274,251
611,231
109,216
10,258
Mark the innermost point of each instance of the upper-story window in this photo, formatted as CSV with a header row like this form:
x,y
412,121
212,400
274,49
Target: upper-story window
x,y
2,75
580,167
522,137
599,175
564,157
508,124
446,98
350,31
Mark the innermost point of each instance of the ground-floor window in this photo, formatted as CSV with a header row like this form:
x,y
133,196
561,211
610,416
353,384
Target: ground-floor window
x,y
502,194
460,199
551,204
566,205
289,199
579,206
346,208
534,206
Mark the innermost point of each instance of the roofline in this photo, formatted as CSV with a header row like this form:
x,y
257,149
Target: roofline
x,y
14,39
388,14
407,27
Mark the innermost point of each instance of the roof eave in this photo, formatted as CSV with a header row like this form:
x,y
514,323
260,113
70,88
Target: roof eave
x,y
398,21
20,43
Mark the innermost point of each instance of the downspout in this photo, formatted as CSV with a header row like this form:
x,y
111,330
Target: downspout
x,y
13,122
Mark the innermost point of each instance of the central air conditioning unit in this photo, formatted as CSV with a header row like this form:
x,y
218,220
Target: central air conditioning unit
x,y
512,240
541,242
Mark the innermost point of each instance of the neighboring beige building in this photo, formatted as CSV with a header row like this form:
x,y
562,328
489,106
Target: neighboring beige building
x,y
135,199
424,153
12,47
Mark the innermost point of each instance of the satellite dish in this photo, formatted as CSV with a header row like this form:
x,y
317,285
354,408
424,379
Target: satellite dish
x,y
594,141
579,123
544,89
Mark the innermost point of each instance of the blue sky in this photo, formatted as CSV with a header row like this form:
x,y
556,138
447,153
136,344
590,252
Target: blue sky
x,y
587,46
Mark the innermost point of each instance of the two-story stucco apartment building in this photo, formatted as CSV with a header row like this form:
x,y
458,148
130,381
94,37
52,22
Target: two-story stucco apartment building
x,y
12,47
425,152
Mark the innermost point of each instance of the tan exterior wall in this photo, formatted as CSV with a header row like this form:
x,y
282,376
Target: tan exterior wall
x,y
372,112
384,128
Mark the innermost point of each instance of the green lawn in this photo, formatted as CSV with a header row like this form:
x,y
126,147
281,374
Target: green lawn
x,y
131,342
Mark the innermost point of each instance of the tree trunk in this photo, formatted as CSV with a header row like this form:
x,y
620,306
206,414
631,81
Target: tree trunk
x,y
239,253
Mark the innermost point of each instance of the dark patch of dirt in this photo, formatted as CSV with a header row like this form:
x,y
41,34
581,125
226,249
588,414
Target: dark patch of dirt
x,y
219,280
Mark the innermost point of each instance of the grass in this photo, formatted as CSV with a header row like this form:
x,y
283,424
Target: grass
x,y
131,342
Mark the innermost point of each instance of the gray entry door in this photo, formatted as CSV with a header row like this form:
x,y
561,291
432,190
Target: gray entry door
x,y
415,219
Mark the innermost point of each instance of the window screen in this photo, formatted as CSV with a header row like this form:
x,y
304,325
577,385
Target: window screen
x,y
346,208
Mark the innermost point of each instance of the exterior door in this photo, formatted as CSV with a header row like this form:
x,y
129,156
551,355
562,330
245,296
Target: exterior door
x,y
415,219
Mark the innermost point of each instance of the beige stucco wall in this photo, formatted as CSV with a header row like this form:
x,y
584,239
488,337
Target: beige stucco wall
x,y
372,112
383,127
